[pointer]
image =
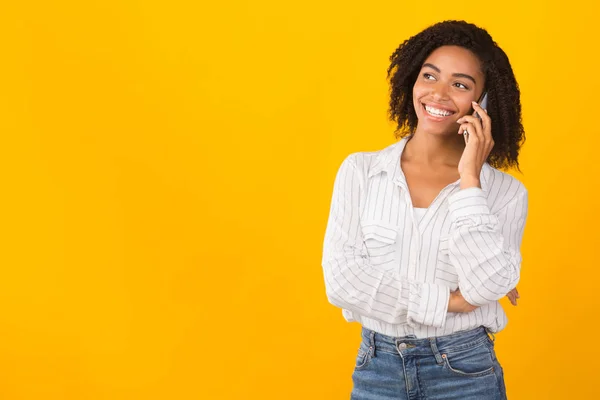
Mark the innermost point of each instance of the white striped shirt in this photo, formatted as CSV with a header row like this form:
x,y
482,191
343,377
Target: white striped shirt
x,y
392,271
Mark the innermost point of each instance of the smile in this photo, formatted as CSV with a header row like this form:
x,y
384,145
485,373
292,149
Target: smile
x,y
436,112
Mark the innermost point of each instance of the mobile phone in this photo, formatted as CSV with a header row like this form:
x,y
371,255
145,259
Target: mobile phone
x,y
482,103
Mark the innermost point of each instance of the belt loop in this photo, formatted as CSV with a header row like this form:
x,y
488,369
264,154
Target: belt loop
x,y
491,333
436,352
372,337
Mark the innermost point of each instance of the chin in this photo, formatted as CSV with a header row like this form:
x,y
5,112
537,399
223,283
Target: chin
x,y
437,130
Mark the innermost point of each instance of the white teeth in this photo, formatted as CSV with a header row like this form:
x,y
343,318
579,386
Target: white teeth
x,y
437,112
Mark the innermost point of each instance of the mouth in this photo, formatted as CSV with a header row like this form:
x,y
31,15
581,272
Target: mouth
x,y
436,112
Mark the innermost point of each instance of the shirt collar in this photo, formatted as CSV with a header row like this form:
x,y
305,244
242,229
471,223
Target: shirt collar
x,y
388,160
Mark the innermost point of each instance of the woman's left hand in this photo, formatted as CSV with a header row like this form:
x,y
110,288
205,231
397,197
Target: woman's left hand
x,y
513,295
478,146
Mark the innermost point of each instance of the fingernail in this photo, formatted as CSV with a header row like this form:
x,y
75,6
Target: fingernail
x,y
475,103
459,121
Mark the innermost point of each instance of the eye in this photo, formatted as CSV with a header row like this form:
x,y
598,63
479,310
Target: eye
x,y
461,85
428,76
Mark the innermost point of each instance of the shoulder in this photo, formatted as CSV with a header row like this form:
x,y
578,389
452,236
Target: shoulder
x,y
503,188
369,162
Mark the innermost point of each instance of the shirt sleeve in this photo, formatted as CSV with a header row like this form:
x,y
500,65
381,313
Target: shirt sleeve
x,y
485,247
353,283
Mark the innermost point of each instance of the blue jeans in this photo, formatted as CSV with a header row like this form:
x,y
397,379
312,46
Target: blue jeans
x,y
461,365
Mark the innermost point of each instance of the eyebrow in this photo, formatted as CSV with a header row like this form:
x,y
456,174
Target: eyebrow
x,y
457,75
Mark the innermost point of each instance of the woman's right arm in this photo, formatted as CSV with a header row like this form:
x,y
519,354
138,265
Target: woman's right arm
x,y
353,283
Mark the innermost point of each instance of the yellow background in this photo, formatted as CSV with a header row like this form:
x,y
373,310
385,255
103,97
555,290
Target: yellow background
x,y
166,172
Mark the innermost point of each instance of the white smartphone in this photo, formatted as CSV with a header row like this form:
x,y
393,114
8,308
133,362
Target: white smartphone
x,y
483,104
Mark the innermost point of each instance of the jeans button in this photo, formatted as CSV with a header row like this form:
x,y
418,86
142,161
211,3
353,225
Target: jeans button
x,y
402,345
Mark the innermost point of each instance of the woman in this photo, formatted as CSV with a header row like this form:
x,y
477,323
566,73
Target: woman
x,y
424,236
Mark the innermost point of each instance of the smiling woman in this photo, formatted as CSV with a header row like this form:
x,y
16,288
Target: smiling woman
x,y
424,236
459,85
460,61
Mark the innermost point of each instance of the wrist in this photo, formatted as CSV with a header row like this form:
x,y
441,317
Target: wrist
x,y
469,182
458,304
452,306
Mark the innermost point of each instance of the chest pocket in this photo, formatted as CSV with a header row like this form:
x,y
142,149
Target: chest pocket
x,y
445,273
380,240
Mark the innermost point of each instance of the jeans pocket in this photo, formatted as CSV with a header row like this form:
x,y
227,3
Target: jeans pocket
x,y
474,362
363,357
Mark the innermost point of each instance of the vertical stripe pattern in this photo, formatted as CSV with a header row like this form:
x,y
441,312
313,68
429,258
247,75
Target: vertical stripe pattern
x,y
391,267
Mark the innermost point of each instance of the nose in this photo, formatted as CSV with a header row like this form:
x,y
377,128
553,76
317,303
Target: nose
x,y
440,92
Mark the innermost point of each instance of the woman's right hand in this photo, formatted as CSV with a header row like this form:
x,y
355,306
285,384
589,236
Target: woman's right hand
x,y
458,303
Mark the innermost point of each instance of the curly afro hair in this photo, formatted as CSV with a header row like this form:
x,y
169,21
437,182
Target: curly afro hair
x,y
504,106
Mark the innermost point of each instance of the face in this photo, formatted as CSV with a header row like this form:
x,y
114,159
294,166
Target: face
x,y
450,78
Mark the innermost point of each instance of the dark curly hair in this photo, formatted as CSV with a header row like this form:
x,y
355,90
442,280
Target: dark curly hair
x,y
504,106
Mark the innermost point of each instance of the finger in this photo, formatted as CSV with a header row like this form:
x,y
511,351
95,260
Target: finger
x,y
511,298
482,112
485,121
464,130
469,119
476,122
514,292
479,128
483,143
512,295
517,293
471,132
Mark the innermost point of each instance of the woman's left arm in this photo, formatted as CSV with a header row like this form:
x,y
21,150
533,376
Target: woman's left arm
x,y
485,247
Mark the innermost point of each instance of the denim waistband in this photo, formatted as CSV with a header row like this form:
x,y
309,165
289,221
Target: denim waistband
x,y
411,345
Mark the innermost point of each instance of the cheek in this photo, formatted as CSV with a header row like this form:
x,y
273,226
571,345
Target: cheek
x,y
418,91
416,94
417,105
465,107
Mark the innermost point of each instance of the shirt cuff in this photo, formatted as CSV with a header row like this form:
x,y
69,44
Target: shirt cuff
x,y
465,202
428,304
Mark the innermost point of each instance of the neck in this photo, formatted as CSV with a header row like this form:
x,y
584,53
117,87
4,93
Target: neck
x,y
434,150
